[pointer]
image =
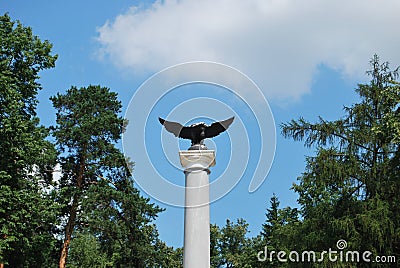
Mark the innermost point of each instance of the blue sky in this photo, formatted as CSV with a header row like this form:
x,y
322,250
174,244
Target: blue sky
x,y
306,58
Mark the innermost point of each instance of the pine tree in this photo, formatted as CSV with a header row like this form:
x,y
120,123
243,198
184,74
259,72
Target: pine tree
x,y
272,221
96,186
350,189
279,232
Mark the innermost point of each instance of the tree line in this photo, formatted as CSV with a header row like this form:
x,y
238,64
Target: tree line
x,y
93,216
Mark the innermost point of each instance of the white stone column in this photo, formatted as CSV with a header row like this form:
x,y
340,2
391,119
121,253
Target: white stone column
x,y
196,253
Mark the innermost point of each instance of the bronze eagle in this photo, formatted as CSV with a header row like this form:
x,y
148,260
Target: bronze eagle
x,y
196,132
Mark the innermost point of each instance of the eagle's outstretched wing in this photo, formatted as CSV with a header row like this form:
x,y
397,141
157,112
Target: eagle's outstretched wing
x,y
175,128
218,127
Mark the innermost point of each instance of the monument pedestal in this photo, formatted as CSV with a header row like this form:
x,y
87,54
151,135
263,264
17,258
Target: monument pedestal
x,y
196,252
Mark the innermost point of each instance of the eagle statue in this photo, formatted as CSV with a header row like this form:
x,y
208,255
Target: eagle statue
x,y
196,132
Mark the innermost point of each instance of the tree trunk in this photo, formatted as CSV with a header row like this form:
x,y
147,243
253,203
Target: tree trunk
x,y
72,214
68,232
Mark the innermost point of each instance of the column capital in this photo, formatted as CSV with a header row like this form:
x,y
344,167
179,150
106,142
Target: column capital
x,y
197,159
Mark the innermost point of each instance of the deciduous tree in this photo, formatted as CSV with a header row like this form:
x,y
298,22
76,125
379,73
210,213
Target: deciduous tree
x,y
27,159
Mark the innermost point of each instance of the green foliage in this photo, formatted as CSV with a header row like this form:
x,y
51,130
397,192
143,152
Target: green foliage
x,y
272,222
167,256
279,232
215,254
229,245
96,182
27,212
86,253
350,189
96,187
23,56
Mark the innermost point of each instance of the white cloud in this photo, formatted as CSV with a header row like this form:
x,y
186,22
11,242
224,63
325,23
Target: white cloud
x,y
278,43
